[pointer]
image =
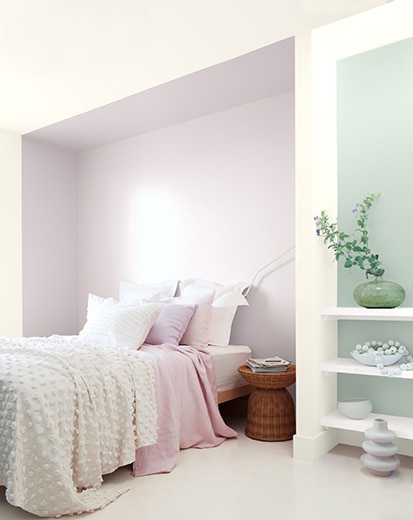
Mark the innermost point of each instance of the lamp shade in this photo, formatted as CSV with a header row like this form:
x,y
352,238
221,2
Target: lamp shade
x,y
231,299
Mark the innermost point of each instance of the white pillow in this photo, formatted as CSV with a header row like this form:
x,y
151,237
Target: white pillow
x,y
112,323
197,330
222,317
137,293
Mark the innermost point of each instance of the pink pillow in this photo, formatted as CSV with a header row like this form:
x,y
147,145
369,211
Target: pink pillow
x,y
171,324
220,325
197,330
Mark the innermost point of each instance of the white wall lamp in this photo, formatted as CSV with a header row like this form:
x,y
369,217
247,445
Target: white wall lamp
x,y
238,296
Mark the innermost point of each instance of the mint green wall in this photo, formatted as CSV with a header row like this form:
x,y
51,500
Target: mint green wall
x,y
375,155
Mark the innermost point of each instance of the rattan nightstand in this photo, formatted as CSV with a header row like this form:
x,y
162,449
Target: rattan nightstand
x,y
271,410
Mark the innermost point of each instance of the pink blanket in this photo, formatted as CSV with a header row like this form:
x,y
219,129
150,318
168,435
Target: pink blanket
x,y
188,414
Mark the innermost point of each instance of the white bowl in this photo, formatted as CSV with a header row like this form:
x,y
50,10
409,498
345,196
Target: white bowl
x,y
370,359
356,408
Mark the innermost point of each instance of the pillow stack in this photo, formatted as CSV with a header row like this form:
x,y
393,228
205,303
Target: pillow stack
x,y
153,314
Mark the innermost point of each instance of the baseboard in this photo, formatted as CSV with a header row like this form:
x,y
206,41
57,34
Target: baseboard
x,y
309,449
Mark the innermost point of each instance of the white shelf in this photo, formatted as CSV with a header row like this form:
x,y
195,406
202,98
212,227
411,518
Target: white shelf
x,y
360,313
351,366
402,426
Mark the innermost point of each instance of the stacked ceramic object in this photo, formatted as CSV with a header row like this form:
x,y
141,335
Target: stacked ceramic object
x,y
380,457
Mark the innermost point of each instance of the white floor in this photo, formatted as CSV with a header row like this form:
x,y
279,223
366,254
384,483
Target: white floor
x,y
244,479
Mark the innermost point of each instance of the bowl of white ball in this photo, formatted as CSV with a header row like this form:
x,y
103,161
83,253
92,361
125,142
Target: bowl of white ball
x,y
379,353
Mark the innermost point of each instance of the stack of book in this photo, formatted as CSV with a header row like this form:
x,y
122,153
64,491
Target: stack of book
x,y
274,364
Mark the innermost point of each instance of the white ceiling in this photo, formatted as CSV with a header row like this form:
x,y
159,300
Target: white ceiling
x,y
259,74
62,58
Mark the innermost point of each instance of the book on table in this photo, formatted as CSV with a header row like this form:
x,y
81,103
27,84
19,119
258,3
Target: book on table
x,y
273,364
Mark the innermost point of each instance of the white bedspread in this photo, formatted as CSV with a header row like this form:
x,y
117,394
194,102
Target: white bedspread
x,y
70,413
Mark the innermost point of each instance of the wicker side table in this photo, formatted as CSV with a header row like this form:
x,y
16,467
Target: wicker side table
x,y
271,411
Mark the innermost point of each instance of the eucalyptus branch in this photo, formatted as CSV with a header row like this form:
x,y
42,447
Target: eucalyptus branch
x,y
354,249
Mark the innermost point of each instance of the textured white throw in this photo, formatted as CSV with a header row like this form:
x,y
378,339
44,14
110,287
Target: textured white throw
x,y
70,412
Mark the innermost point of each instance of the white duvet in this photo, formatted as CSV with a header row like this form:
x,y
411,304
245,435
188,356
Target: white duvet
x,y
69,413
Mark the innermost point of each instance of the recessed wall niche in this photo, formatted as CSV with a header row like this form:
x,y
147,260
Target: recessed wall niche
x,y
375,155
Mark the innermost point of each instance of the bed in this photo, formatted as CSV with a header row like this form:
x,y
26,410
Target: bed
x,y
74,408
230,385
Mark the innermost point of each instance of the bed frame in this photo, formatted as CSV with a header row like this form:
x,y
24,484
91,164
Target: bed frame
x,y
234,393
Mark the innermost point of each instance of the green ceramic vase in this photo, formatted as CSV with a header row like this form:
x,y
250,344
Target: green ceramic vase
x,y
379,294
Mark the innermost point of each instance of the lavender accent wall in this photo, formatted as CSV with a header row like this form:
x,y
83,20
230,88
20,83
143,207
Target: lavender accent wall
x,y
210,198
49,240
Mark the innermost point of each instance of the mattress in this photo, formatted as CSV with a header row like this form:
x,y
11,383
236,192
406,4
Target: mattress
x,y
226,361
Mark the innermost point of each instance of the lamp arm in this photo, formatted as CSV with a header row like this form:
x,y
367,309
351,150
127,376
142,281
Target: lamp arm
x,y
265,267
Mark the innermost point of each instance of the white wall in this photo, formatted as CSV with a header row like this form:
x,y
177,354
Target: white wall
x,y
10,235
211,198
49,230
